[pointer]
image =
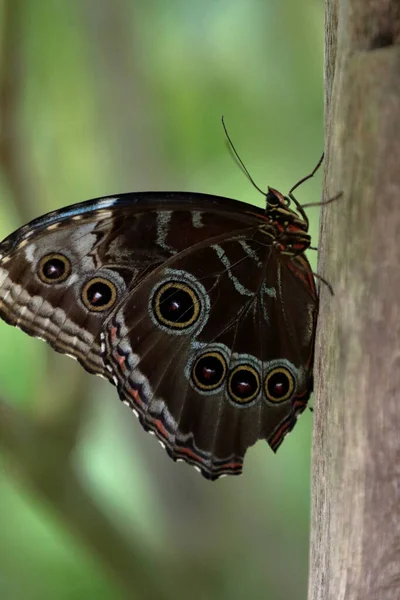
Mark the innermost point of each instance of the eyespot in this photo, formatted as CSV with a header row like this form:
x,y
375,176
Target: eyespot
x,y
209,371
279,385
176,305
243,384
99,294
54,268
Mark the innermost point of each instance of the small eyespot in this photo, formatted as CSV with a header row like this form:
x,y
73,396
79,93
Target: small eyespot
x,y
243,384
54,268
209,371
176,305
99,294
279,385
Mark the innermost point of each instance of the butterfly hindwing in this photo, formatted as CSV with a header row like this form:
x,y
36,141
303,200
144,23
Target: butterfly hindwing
x,y
195,344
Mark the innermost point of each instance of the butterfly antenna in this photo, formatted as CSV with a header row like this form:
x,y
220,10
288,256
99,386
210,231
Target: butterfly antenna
x,y
241,163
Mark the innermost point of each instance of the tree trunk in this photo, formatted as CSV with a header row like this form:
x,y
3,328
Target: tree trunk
x,y
355,539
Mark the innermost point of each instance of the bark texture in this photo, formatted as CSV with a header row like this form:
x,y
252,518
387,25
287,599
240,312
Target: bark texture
x,y
355,540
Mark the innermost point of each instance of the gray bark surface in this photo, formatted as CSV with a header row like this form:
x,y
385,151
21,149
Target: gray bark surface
x,y
355,538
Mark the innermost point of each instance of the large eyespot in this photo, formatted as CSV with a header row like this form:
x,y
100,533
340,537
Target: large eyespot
x,y
243,384
54,268
99,294
179,303
279,385
209,371
176,305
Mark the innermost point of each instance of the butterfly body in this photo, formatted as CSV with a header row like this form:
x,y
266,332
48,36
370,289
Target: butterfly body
x,y
200,309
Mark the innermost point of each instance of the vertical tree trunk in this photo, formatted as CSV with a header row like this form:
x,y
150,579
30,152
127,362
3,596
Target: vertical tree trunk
x,y
355,540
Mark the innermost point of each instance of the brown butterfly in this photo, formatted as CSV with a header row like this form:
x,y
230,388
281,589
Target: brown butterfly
x,y
200,309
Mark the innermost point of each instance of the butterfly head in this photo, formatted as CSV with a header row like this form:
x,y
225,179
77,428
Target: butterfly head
x,y
279,211
275,199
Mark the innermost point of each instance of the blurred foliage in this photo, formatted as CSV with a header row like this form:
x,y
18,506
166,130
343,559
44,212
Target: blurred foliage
x,y
102,97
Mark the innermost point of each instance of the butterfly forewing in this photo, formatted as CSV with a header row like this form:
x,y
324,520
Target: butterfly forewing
x,y
106,239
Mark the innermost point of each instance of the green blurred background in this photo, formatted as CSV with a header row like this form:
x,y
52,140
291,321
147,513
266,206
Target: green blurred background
x,y
105,96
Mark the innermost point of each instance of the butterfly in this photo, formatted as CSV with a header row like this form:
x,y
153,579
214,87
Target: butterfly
x,y
200,309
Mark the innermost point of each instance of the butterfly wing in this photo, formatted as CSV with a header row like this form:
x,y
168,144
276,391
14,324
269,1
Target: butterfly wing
x,y
213,350
185,302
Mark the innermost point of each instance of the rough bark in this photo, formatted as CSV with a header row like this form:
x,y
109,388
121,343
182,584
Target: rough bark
x,y
355,539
